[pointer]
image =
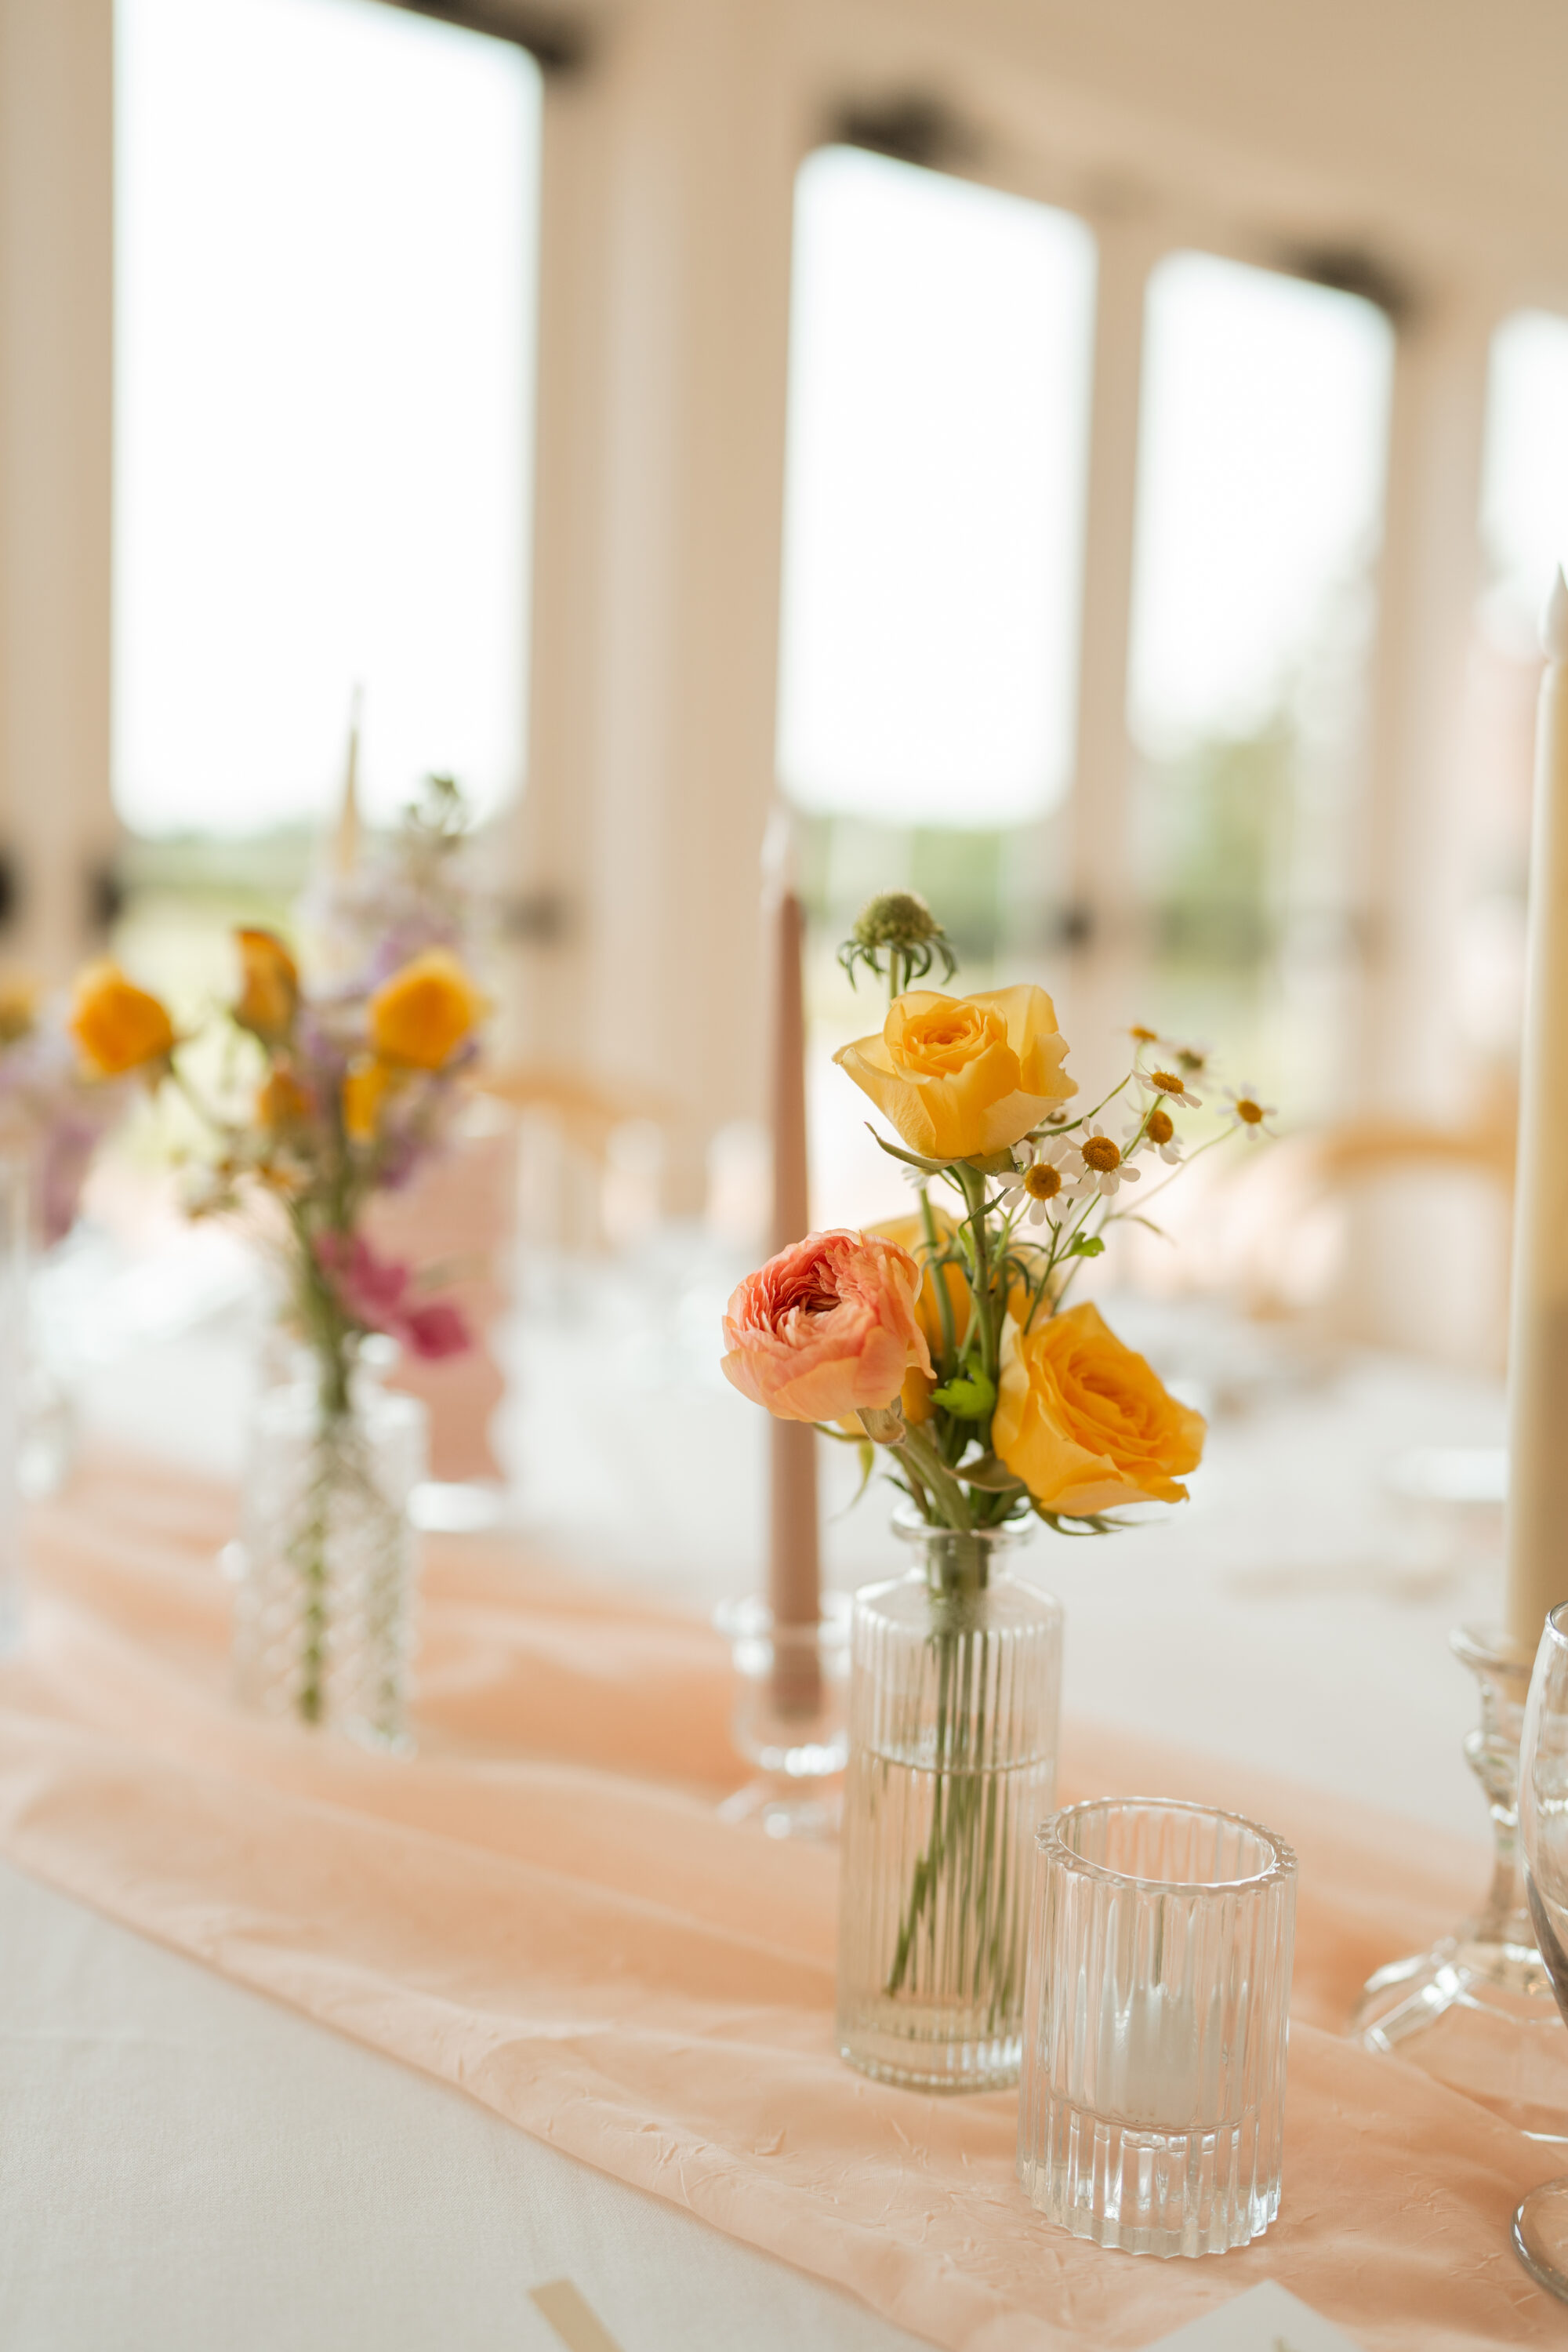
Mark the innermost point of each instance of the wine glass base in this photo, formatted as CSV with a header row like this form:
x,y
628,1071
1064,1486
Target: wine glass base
x,y
809,1810
1481,2018
1541,2236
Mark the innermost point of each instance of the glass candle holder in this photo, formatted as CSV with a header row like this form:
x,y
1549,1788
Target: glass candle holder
x,y
1155,2022
790,1718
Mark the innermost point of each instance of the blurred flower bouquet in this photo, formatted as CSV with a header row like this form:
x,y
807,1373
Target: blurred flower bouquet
x,y
308,1104
945,1345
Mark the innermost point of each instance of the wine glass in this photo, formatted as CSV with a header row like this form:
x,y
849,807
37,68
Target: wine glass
x,y
1540,2225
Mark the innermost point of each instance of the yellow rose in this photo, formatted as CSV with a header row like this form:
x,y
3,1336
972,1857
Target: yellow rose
x,y
909,1233
364,1087
117,1024
268,986
1085,1423
424,1012
961,1077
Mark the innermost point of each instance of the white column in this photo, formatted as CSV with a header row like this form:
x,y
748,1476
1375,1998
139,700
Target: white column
x,y
664,338
56,384
1102,956
1419,806
1412,840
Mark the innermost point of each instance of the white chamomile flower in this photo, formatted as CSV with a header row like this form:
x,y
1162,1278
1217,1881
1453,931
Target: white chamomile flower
x,y
1169,1087
1248,1110
1193,1061
1156,1132
1104,1167
1048,1176
917,1179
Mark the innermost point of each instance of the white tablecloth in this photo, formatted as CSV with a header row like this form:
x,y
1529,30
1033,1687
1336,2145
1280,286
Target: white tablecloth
x,y
186,2166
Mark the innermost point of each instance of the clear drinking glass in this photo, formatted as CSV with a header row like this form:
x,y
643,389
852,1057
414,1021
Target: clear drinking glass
x,y
791,1719
325,1566
1540,2225
954,1701
1155,2025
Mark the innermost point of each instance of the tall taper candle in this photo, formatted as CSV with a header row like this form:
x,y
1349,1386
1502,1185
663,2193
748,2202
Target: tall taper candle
x,y
1537,1559
793,1573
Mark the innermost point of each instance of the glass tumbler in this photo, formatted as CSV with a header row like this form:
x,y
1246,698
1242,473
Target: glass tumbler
x,y
1155,2020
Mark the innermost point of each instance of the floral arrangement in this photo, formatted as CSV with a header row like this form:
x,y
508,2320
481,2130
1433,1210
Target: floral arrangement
x,y
946,1344
946,1337
330,1098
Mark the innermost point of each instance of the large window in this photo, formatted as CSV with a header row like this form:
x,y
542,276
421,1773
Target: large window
x,y
1265,418
939,361
325,257
939,377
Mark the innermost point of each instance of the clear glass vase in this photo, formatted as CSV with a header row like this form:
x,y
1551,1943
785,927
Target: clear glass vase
x,y
325,1566
955,1700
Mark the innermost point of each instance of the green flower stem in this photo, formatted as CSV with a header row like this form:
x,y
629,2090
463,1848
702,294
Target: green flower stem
x,y
932,1473
938,1274
973,1185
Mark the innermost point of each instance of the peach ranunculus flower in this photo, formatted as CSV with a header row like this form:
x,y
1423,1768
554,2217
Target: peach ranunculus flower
x,y
268,986
827,1328
962,1076
1085,1423
426,1010
909,1233
117,1026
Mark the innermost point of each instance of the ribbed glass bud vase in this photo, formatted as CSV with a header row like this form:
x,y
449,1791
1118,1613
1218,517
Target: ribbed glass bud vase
x,y
325,1567
955,1685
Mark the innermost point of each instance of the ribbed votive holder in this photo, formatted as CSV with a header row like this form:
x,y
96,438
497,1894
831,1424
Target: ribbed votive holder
x,y
1154,2025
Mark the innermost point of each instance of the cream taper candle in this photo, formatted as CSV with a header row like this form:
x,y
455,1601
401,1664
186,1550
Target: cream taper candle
x,y
793,1573
1537,1547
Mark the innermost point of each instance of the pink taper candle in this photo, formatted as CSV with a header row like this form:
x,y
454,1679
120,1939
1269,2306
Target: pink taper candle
x,y
793,1573
1537,1550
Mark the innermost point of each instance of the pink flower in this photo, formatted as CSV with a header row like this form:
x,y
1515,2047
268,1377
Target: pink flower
x,y
826,1328
374,1292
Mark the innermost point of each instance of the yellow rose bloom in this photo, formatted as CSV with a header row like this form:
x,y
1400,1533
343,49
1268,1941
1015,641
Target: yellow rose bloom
x,y
961,1077
363,1088
909,1233
268,986
117,1026
1085,1423
424,1012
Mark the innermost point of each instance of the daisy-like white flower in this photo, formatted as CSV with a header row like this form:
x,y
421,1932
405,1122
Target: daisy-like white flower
x,y
1169,1087
1156,1131
917,1179
1248,1110
1104,1167
1049,1175
1192,1061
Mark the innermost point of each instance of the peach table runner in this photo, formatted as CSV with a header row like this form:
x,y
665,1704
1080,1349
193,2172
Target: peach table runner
x,y
543,1909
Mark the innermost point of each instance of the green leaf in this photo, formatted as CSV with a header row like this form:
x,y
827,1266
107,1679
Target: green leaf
x,y
910,1159
1084,1245
992,1478
1096,1524
970,1396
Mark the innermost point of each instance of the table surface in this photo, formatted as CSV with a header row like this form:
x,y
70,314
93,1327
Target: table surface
x,y
188,2164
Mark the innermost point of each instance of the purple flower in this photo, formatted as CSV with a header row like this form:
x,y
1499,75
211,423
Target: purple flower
x,y
374,1292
